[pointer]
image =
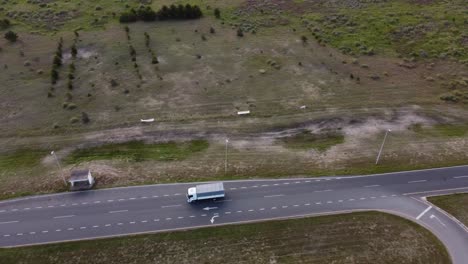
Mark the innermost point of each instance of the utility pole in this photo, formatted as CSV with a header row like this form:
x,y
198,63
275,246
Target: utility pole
x,y
226,156
60,167
381,147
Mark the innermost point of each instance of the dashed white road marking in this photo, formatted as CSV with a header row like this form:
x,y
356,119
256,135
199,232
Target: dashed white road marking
x,y
63,216
6,235
233,188
27,208
370,186
156,220
95,226
32,233
107,225
307,181
45,231
96,202
203,215
169,218
273,208
284,206
132,223
423,212
270,196
38,207
9,222
176,194
132,198
340,201
180,217
296,205
227,212
276,184
329,202
119,224
324,190
265,185
19,234
458,177
307,204
58,230
362,198
286,183
240,211
118,211
173,205
110,201
82,227
155,196
144,221
417,181
351,199
318,203
383,196
70,229
192,216
373,197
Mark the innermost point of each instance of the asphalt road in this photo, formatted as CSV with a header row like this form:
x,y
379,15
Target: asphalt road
x,y
143,209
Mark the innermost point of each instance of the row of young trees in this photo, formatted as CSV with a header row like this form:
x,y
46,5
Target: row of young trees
x,y
165,13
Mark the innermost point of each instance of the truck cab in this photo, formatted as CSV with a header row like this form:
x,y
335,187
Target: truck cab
x,y
191,194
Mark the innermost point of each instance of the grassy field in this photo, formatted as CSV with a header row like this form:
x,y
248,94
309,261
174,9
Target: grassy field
x,y
350,238
456,205
138,151
307,140
313,103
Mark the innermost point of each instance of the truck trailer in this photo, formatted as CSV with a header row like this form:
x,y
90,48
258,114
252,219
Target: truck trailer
x,y
205,191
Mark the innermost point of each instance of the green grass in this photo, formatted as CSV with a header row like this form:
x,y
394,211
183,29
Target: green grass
x,y
441,130
370,237
456,205
138,151
21,159
307,140
435,29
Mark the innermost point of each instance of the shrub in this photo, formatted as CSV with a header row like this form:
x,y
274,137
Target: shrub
x,y
70,84
84,118
68,96
212,30
74,120
203,37
74,51
240,33
54,76
57,61
217,13
4,23
11,36
304,39
71,106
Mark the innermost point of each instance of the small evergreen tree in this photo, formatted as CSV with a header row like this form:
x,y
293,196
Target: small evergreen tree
x,y
11,36
217,13
85,118
74,51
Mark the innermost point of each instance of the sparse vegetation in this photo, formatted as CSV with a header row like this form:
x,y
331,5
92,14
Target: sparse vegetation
x,y
454,204
307,140
138,151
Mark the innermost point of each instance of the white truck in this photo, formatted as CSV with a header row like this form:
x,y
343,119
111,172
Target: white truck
x,y
205,191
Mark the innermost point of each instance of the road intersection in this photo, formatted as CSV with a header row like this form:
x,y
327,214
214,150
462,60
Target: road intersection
x,y
157,208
